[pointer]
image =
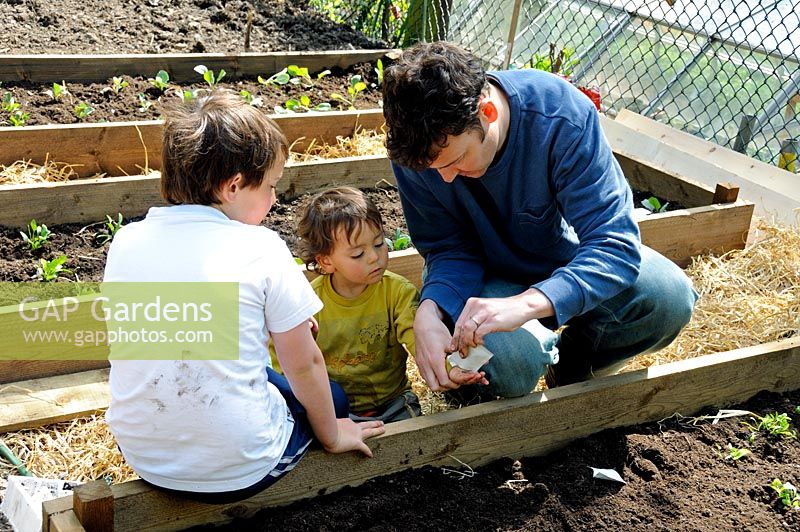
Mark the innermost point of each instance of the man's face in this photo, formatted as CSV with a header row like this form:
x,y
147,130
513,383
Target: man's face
x,y
465,155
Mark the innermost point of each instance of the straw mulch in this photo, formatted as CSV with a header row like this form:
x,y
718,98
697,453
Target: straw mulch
x,y
748,297
363,142
79,450
23,172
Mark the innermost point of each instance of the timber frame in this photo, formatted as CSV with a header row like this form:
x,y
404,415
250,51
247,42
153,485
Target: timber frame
x,y
534,425
180,67
34,393
714,222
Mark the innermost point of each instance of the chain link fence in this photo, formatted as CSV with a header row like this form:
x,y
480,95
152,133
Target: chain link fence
x,y
726,71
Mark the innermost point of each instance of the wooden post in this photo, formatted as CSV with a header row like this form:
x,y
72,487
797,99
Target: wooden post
x,y
512,34
725,193
93,504
745,133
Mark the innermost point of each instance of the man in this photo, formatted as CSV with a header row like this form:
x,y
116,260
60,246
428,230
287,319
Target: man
x,y
512,195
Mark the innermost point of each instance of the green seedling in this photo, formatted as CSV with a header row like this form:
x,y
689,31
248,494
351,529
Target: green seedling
x,y
736,454
161,81
773,424
797,409
356,87
35,235
144,103
301,105
118,84
299,261
300,76
58,91
18,118
82,110
50,270
9,104
295,75
187,95
110,228
398,241
208,75
653,205
787,493
255,101
277,79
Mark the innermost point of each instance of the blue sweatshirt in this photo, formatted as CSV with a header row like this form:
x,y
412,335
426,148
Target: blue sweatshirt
x,y
554,211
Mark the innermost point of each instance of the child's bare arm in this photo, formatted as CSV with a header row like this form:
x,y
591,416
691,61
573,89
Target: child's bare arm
x,y
464,376
304,367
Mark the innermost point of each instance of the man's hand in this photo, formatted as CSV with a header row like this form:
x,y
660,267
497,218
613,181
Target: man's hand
x,y
482,316
352,435
432,340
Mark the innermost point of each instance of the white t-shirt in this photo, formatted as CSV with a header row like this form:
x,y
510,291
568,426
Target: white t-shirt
x,y
207,426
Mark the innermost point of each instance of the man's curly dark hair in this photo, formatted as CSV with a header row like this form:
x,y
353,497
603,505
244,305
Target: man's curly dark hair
x,y
430,93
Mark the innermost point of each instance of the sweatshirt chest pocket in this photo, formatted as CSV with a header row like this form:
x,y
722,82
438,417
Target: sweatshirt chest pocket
x,y
538,227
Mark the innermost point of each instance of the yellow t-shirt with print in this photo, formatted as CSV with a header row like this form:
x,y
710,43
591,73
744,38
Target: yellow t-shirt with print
x,y
361,339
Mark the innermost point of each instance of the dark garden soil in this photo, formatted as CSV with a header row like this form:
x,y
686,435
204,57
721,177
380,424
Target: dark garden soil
x,y
140,100
168,26
677,475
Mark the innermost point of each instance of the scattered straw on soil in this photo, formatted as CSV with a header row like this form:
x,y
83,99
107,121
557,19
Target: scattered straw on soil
x,y
82,450
363,142
21,172
747,297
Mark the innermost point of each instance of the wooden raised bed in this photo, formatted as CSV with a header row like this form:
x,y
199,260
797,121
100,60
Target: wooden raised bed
x,y
533,425
100,68
708,224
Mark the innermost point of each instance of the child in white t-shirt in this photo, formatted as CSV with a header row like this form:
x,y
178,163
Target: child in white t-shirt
x,y
222,430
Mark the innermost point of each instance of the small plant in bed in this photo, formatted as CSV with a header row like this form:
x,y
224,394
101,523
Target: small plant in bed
x,y
35,235
653,205
208,75
787,493
109,230
50,270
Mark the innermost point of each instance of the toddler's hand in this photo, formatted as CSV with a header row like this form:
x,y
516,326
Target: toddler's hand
x,y
352,436
462,376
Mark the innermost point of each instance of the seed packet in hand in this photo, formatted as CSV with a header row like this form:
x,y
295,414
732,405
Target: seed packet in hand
x,y
477,357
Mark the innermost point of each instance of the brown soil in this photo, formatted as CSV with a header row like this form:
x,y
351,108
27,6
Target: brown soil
x,y
109,106
168,26
676,473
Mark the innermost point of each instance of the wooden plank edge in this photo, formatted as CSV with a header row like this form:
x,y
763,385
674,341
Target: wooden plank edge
x,y
90,200
126,147
99,68
682,234
38,402
528,426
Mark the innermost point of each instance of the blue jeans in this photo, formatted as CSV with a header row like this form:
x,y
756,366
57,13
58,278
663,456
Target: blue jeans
x,y
641,319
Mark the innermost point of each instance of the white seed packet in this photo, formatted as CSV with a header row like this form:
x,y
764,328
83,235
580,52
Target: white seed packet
x,y
477,357
606,474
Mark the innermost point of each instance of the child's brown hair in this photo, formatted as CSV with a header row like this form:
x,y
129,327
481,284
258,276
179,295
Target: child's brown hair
x,y
344,209
211,139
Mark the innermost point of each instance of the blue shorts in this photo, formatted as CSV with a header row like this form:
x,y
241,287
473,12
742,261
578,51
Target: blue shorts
x,y
299,442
